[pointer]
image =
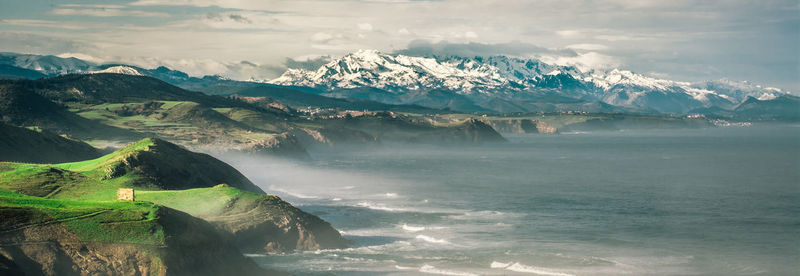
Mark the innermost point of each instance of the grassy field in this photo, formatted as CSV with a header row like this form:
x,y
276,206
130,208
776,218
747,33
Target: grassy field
x,y
101,221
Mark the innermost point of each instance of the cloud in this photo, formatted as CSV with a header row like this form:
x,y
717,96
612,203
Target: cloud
x,y
324,37
587,46
46,24
41,44
585,62
365,27
568,33
196,3
239,18
96,6
81,56
444,48
307,62
106,12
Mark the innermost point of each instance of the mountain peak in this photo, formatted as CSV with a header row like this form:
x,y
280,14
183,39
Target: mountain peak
x,y
119,69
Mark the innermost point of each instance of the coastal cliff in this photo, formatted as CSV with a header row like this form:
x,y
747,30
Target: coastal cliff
x,y
521,126
57,237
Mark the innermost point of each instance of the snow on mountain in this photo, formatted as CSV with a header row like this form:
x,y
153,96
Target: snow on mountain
x,y
48,65
119,69
501,76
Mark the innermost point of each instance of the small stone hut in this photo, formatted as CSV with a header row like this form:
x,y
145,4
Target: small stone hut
x,y
125,194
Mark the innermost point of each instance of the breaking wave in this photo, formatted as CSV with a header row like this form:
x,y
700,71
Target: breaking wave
x,y
518,267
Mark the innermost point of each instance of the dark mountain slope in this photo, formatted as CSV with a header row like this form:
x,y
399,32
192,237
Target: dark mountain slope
x,y
19,144
116,88
298,99
21,106
785,107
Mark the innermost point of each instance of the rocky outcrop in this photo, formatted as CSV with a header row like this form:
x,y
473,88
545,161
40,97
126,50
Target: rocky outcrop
x,y
521,126
619,122
333,138
258,223
271,224
281,145
471,131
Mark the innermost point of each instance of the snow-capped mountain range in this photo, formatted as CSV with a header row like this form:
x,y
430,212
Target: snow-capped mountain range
x,y
483,79
475,84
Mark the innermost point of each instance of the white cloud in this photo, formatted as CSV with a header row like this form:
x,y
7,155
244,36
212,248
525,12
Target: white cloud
x,y
587,46
85,57
585,62
568,33
196,3
106,12
365,27
323,37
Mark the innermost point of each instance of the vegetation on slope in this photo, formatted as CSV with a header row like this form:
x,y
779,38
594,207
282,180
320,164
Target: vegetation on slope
x,y
19,144
169,175
20,106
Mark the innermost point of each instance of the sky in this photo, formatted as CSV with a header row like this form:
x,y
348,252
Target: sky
x,y
684,40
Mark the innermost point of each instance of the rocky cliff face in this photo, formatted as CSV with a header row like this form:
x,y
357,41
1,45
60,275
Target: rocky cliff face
x,y
333,138
283,145
257,222
471,131
521,126
276,226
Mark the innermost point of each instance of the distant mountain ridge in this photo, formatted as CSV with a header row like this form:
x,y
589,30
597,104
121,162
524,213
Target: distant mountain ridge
x,y
495,84
483,79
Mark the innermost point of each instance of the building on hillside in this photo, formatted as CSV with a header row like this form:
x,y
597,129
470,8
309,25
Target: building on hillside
x,y
125,194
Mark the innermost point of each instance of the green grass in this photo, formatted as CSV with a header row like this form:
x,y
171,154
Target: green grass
x,y
83,180
108,159
100,221
201,201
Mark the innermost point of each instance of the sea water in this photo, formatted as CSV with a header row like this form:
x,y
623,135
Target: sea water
x,y
716,201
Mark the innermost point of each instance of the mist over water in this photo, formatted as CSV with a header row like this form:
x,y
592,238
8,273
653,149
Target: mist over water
x,y
719,201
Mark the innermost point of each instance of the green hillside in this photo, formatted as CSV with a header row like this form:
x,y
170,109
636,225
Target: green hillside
x,y
194,183
65,237
149,164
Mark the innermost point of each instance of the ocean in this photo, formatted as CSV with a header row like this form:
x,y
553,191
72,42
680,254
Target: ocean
x,y
716,201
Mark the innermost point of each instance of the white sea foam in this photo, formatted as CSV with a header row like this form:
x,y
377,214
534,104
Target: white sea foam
x,y
485,215
380,207
433,270
431,239
497,264
518,267
413,228
391,195
255,255
403,267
